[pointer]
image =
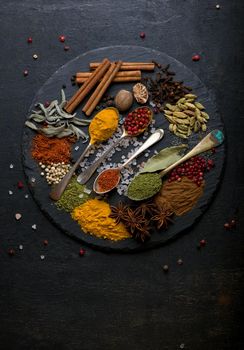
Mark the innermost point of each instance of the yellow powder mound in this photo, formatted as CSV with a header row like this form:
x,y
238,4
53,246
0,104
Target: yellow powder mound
x,y
93,217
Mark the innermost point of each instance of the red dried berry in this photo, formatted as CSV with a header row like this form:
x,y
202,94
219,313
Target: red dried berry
x,y
66,48
20,184
25,72
82,252
203,242
11,252
142,35
196,58
227,226
62,38
29,40
47,104
45,242
233,223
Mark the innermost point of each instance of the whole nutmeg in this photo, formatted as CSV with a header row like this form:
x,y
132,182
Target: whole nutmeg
x,y
123,100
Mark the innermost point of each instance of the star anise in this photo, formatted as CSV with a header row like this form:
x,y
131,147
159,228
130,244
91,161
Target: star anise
x,y
134,221
146,208
142,236
162,217
119,212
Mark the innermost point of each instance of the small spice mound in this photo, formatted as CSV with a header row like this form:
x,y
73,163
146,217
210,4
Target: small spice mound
x,y
182,195
51,150
107,180
72,197
93,217
144,186
103,125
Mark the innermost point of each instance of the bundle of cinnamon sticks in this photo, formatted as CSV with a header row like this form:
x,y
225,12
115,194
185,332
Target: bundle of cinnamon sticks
x,y
102,75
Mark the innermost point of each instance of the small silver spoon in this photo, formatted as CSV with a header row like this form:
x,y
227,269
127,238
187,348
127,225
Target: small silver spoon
x,y
153,138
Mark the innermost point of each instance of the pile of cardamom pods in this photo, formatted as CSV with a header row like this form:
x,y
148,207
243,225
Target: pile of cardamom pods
x,y
55,121
186,116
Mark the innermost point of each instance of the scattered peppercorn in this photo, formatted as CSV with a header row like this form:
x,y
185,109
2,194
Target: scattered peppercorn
x,y
20,185
233,223
29,40
62,38
217,6
18,216
227,226
47,104
11,252
35,56
180,262
82,252
142,35
66,48
203,242
196,58
25,73
166,268
45,242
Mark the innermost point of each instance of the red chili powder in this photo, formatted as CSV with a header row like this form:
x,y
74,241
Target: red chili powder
x,y
107,180
51,150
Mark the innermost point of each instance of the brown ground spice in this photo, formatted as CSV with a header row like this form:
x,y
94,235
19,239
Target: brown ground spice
x,y
182,195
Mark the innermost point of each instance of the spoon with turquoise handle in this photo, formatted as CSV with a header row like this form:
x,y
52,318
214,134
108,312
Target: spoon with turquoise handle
x,y
214,139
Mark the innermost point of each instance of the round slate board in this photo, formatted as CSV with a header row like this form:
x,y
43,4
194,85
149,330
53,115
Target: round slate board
x,y
51,90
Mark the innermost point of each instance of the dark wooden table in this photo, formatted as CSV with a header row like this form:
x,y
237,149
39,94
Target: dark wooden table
x,y
115,301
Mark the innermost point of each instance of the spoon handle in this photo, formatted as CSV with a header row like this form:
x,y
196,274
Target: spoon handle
x,y
155,137
87,173
213,139
58,189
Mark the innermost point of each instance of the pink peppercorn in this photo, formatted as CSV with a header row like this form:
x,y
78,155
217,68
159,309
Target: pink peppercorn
x,y
196,58
29,40
142,35
82,252
62,38
66,48
203,242
25,72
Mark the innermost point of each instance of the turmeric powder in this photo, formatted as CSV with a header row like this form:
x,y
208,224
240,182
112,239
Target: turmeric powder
x,y
103,125
93,217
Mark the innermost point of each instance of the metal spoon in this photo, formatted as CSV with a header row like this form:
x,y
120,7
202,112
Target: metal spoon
x,y
213,139
155,137
87,173
58,189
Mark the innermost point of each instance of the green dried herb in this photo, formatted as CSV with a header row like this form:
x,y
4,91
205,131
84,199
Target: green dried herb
x,y
73,196
163,159
57,121
144,186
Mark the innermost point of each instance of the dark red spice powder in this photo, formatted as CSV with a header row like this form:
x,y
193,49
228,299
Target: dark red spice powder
x,y
108,180
51,150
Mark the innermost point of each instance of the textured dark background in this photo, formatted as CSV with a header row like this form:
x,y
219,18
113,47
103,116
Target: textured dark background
x,y
117,301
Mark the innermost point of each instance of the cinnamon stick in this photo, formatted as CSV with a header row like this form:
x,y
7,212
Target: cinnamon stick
x,y
101,88
87,86
115,80
148,66
129,73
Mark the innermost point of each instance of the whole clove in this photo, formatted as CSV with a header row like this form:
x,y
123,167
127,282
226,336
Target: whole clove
x,y
163,88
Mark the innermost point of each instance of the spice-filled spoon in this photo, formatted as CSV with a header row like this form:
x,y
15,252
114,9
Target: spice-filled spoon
x,y
101,128
139,189
107,180
129,129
